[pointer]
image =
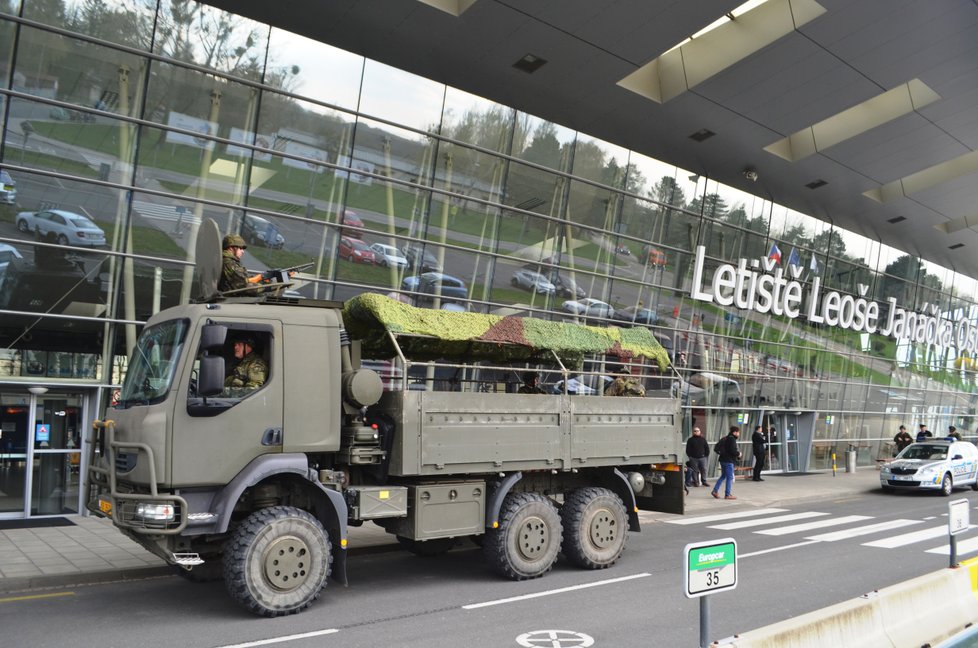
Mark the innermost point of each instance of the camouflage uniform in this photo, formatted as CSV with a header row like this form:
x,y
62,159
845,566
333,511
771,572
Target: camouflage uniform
x,y
246,376
233,274
625,386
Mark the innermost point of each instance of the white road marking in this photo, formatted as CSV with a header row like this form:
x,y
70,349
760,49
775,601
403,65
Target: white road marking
x,y
772,550
908,538
282,639
726,516
772,520
573,588
964,547
832,536
821,524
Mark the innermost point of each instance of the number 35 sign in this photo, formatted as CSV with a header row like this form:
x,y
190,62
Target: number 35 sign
x,y
710,567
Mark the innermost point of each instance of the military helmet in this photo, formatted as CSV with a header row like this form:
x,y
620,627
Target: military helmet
x,y
233,240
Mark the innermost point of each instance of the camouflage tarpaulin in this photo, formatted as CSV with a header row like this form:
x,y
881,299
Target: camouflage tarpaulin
x,y
424,333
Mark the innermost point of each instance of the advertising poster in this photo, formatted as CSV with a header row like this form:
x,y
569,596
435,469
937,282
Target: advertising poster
x,y
186,122
245,137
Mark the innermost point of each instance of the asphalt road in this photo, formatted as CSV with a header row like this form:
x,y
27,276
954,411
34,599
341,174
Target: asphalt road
x,y
397,599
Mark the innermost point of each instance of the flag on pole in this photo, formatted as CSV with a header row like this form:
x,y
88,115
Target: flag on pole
x,y
813,264
794,259
774,253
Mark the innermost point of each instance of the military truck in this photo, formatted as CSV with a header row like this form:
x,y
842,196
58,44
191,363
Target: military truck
x,y
261,488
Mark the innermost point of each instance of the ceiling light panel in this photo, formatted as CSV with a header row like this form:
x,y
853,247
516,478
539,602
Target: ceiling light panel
x,y
453,7
897,102
702,57
926,178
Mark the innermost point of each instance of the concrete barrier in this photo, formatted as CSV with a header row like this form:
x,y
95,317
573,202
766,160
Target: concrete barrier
x,y
890,617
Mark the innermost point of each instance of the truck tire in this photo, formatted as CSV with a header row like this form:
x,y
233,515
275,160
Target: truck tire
x,y
527,541
277,561
427,548
595,527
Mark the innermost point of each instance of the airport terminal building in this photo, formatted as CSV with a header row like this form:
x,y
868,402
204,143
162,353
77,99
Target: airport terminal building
x,y
127,123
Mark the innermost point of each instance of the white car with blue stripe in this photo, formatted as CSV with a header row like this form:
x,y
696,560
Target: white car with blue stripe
x,y
940,465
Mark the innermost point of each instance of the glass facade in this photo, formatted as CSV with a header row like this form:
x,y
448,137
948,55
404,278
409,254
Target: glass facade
x,y
128,122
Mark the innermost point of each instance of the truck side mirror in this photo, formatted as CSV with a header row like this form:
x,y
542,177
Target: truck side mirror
x,y
210,380
212,337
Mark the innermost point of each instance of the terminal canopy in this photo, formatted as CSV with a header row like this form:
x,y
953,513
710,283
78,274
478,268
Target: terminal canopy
x,y
423,333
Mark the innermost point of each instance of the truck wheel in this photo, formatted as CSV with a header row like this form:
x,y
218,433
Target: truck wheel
x,y
277,561
595,527
209,571
427,548
527,541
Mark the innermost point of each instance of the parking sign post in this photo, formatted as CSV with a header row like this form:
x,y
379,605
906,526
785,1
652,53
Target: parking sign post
x,y
710,567
958,521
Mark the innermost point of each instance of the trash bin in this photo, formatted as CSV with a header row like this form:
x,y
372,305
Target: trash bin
x,y
850,461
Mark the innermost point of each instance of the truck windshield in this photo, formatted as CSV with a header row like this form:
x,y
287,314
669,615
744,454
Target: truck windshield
x,y
153,364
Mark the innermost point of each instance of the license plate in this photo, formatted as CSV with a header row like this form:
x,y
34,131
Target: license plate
x,y
903,477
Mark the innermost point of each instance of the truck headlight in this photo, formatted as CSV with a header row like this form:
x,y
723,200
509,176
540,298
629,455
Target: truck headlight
x,y
156,512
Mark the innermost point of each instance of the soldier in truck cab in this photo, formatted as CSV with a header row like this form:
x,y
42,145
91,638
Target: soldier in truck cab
x,y
249,372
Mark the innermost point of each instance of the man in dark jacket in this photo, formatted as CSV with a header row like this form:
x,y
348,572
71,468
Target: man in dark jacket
x,y
923,433
758,444
698,451
729,454
902,439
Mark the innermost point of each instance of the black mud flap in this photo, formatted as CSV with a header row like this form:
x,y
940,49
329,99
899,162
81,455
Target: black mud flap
x,y
669,497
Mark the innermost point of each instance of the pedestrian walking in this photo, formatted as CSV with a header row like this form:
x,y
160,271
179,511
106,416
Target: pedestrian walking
x,y
729,454
698,452
902,440
758,442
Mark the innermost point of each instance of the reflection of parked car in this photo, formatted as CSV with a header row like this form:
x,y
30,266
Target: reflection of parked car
x,y
533,281
388,256
62,227
65,114
356,250
8,253
932,465
258,231
623,250
588,307
410,283
654,256
436,283
8,188
352,225
420,260
636,315
567,287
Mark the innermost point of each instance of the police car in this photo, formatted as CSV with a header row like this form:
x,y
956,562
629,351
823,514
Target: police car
x,y
939,465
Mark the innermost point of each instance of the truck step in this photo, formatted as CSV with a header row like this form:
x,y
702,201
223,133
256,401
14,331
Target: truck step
x,y
187,559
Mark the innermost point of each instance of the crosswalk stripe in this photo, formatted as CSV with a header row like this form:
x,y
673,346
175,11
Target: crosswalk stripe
x,y
771,520
832,536
908,538
726,516
821,524
964,547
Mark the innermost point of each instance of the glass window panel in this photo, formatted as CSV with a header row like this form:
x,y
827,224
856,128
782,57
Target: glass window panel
x,y
11,7
401,97
127,22
88,75
599,161
197,33
315,70
541,142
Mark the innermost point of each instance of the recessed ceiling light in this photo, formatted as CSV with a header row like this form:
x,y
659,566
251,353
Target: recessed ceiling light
x,y
530,63
702,134
816,184
955,246
706,54
898,219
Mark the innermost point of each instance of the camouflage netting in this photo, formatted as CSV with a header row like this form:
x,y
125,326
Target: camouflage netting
x,y
424,333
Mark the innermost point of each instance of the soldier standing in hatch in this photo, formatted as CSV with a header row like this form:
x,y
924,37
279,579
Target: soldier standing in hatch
x,y
233,274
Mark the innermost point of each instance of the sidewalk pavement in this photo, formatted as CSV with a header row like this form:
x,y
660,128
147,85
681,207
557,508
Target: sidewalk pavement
x,y
90,550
